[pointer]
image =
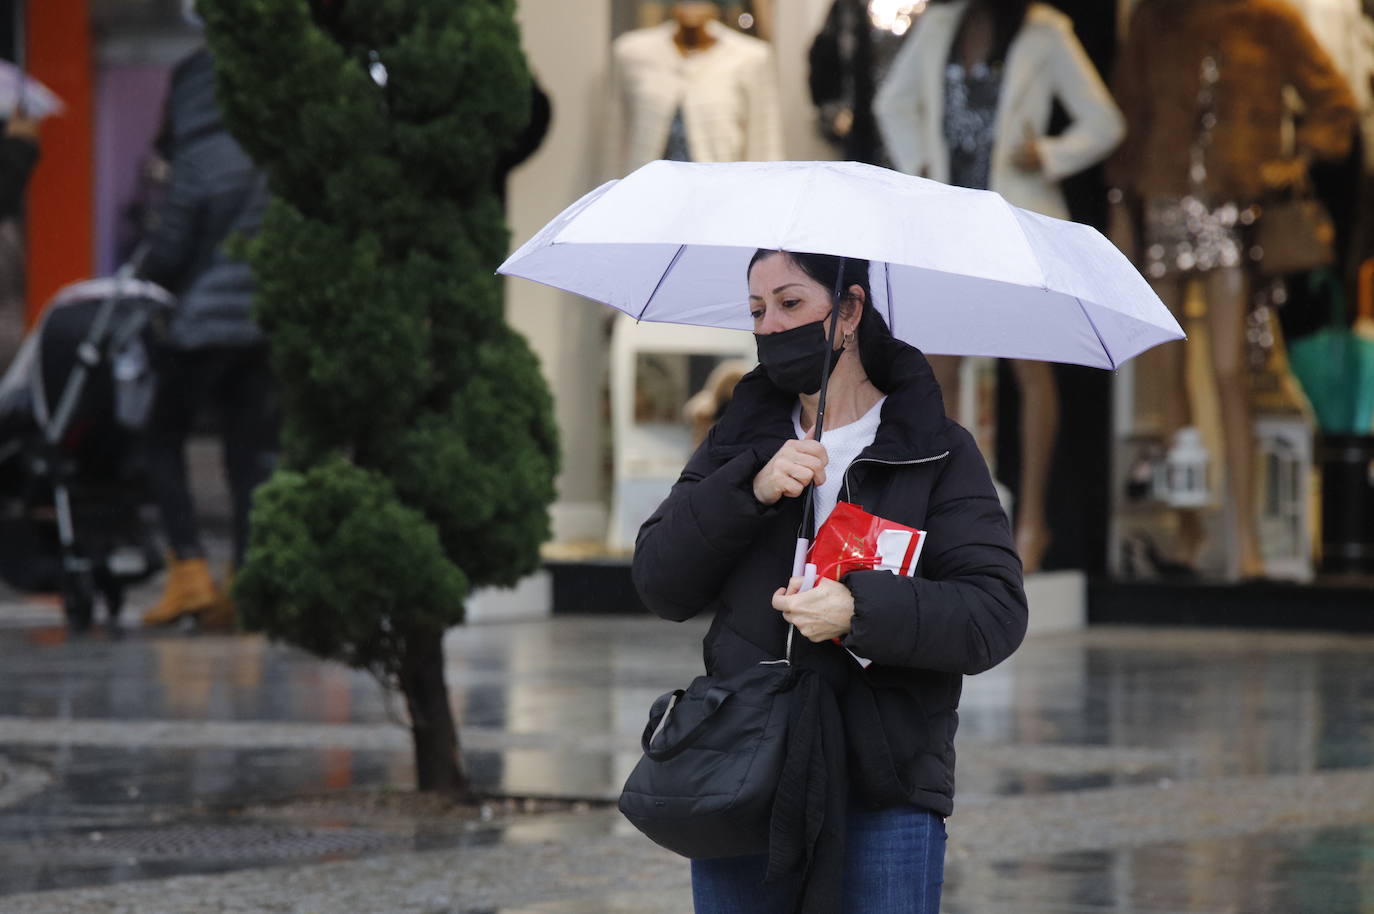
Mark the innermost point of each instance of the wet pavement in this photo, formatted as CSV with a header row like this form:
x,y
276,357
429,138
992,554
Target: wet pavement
x,y
1113,770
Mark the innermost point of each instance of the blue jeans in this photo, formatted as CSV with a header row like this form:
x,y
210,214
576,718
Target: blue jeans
x,y
894,863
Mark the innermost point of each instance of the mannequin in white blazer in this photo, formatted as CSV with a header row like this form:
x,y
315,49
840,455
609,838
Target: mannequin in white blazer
x,y
727,89
1043,62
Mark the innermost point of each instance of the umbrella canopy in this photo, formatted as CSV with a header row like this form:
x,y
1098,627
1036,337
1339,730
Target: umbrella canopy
x,y
38,101
1335,365
953,271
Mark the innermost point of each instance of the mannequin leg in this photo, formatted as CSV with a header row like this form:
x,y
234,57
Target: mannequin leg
x,y
1168,368
1039,429
946,368
1227,304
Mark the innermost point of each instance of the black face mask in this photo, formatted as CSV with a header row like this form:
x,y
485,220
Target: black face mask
x,y
795,359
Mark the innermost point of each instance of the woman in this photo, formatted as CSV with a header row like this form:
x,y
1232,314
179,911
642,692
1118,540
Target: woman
x,y
968,102
723,540
214,356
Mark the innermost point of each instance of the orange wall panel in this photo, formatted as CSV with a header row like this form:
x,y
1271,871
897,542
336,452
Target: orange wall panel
x,y
60,216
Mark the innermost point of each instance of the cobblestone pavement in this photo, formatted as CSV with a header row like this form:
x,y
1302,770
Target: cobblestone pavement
x,y
1113,770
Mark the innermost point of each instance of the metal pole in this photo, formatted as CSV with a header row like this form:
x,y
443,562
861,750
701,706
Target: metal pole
x,y
89,354
21,48
809,511
830,347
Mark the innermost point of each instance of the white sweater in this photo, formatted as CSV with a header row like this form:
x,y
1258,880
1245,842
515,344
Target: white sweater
x,y
842,445
728,94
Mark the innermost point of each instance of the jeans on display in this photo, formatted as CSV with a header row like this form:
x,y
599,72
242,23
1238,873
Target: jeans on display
x,y
894,863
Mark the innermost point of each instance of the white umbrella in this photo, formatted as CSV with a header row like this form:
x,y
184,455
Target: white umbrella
x,y
954,271
19,90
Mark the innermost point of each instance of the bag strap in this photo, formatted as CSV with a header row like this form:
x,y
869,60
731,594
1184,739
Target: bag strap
x,y
1364,309
1326,281
715,697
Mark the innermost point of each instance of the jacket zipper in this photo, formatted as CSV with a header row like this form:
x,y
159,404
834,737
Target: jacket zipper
x,y
890,463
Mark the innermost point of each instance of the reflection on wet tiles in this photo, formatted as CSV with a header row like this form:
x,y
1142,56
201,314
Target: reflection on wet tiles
x,y
1066,748
620,903
540,773
1327,871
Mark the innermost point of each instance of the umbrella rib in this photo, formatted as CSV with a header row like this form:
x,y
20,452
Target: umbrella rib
x,y
1100,341
659,285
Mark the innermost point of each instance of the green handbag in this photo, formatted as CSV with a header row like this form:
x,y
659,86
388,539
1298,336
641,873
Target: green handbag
x,y
1335,365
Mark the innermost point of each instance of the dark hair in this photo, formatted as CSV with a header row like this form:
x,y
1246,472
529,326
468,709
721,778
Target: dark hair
x,y
876,344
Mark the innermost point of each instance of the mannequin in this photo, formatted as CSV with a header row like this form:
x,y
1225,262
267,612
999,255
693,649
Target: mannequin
x,y
1201,85
968,101
692,89
848,59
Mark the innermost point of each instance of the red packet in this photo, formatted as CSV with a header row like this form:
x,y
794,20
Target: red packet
x,y
851,539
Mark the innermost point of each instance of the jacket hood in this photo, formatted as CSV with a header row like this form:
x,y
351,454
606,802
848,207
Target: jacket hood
x,y
192,109
913,418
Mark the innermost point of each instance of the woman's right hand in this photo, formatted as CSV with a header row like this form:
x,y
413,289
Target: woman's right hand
x,y
796,464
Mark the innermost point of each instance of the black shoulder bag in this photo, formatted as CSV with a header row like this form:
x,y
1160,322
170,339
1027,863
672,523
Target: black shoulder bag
x,y
713,757
714,753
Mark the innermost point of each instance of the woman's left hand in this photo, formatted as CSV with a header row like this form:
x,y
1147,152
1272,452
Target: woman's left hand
x,y
821,613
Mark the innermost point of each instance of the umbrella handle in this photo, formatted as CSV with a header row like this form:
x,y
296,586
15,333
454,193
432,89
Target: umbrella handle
x,y
801,568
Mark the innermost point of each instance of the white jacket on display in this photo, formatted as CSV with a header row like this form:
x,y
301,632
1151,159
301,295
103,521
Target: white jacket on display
x,y
1045,62
728,94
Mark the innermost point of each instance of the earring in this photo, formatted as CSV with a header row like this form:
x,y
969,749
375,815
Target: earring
x,y
849,337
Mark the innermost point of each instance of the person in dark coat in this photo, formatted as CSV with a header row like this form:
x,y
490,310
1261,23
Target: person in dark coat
x,y
18,155
215,355
723,542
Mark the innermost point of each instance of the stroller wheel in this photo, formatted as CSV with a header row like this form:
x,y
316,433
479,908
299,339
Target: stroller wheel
x,y
78,599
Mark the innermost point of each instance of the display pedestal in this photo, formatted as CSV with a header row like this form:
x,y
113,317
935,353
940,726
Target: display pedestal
x,y
651,378
1347,497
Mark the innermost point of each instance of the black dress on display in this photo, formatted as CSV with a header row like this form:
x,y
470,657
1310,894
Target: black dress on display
x,y
848,60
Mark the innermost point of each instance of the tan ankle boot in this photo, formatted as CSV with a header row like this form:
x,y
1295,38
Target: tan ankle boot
x,y
188,590
220,616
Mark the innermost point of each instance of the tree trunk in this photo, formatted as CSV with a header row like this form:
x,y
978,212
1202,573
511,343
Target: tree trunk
x,y
438,764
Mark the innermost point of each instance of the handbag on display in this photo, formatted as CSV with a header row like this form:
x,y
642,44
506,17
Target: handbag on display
x,y
713,759
1294,234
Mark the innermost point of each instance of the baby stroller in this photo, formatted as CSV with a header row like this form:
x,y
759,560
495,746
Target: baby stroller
x,y
71,406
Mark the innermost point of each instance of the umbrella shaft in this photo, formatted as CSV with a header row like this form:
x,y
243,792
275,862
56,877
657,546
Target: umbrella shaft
x,y
809,517
830,347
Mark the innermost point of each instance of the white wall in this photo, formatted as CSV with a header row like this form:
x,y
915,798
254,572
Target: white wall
x,y
567,43
796,23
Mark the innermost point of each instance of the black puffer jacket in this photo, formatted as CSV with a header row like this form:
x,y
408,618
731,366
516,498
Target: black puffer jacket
x,y
712,546
18,155
215,193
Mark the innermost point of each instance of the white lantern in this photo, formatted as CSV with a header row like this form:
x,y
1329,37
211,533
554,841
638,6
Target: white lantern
x,y
1186,471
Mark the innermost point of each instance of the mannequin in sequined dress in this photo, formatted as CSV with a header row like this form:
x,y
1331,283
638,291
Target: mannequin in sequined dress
x,y
1201,83
968,102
